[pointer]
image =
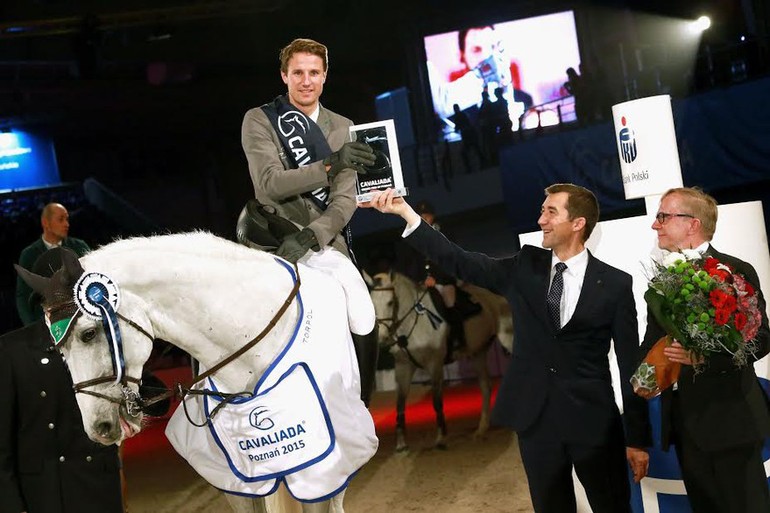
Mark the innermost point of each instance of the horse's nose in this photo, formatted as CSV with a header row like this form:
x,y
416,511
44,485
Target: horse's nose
x,y
104,429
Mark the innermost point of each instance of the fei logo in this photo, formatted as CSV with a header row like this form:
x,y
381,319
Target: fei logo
x,y
627,142
259,419
291,122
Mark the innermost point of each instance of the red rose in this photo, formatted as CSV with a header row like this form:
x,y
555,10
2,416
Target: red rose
x,y
740,321
749,289
710,264
721,316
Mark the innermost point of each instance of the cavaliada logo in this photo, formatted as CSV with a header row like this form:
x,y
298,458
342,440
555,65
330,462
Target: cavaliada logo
x,y
259,419
627,142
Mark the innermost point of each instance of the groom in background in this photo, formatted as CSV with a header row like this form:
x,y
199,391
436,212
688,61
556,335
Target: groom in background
x,y
716,419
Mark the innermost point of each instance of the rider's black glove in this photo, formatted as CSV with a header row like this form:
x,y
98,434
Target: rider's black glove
x,y
295,246
352,155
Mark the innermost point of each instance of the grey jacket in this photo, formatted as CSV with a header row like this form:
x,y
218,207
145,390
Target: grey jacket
x,y
277,184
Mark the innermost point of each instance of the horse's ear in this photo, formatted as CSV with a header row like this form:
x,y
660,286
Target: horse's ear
x,y
36,282
71,265
368,279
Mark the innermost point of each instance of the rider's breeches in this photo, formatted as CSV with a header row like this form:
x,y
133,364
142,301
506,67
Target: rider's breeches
x,y
361,315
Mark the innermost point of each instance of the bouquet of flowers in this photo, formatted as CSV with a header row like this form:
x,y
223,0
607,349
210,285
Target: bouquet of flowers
x,y
706,306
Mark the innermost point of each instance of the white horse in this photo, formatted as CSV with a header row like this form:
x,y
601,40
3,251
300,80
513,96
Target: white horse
x,y
409,325
212,297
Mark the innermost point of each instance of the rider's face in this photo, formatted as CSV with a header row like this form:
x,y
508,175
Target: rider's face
x,y
305,77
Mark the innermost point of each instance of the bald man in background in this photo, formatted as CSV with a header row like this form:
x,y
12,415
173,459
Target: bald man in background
x,y
54,220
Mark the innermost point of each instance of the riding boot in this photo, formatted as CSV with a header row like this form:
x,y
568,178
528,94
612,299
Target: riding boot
x,y
367,351
456,338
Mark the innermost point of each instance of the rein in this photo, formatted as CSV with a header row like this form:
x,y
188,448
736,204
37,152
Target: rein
x,y
182,391
133,401
401,341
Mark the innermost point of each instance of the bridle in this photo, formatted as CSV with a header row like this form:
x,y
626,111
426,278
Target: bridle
x,y
393,323
131,399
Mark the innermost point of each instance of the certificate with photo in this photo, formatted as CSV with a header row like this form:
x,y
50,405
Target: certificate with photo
x,y
385,173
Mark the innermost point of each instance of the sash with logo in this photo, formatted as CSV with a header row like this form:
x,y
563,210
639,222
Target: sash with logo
x,y
302,140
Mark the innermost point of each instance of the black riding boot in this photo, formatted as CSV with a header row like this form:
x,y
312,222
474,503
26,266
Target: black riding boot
x,y
456,338
367,351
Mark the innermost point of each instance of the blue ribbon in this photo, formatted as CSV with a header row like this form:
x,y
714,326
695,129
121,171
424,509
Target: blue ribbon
x,y
97,295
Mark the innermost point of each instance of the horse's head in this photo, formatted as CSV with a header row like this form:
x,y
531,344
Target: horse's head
x,y
104,349
385,300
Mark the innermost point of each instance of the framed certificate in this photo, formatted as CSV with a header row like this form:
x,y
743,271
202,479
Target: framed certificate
x,y
385,173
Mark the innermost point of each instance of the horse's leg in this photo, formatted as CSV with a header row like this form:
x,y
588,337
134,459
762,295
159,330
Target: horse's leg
x,y
480,364
404,371
437,384
246,504
317,507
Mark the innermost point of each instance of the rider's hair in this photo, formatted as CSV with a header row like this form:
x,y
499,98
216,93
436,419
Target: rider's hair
x,y
301,45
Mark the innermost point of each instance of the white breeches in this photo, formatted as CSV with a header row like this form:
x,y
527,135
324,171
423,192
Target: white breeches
x,y
361,316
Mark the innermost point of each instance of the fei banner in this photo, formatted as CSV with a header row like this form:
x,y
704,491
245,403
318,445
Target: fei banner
x,y
649,159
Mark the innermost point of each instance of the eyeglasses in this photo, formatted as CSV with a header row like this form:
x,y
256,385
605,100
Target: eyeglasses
x,y
662,217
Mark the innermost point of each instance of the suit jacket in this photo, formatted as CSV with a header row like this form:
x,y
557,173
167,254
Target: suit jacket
x,y
724,405
47,463
29,312
566,367
277,184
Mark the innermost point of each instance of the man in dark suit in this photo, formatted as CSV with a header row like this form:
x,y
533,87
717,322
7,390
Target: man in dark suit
x,y
717,419
47,462
557,392
55,222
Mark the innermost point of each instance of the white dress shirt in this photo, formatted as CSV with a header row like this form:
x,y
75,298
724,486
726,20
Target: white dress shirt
x,y
573,276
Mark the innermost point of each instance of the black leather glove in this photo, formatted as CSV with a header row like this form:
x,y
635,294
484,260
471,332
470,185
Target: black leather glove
x,y
352,155
295,245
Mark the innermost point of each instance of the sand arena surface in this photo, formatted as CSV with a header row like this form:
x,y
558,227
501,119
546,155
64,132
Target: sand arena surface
x,y
471,476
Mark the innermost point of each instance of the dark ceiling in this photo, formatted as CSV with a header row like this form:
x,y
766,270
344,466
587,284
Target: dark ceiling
x,y
87,67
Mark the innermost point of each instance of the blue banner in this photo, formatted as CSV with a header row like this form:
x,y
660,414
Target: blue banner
x,y
27,160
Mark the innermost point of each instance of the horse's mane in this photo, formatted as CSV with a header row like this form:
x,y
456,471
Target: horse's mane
x,y
200,243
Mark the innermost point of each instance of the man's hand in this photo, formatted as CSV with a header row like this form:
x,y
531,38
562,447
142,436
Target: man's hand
x,y
639,461
678,354
295,246
387,203
352,155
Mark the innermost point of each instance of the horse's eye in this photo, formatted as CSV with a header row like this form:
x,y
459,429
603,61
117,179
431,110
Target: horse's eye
x,y
88,335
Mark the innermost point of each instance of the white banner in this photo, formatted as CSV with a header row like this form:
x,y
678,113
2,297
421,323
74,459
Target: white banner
x,y
649,159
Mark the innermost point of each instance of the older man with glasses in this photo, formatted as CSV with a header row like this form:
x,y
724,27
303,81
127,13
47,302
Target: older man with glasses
x,y
718,418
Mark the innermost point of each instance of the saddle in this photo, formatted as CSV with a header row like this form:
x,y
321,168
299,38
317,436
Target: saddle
x,y
261,227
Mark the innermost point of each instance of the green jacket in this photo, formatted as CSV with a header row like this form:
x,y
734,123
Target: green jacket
x,y
30,312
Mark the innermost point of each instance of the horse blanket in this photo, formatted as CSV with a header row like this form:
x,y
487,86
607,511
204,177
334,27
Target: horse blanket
x,y
305,424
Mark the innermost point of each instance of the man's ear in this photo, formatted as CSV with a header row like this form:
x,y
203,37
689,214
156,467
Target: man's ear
x,y
285,78
578,224
696,227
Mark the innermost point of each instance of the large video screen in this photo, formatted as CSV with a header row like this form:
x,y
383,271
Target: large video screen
x,y
27,160
526,59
